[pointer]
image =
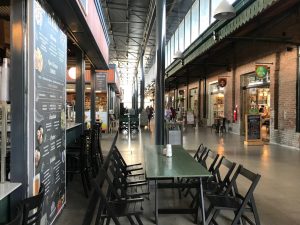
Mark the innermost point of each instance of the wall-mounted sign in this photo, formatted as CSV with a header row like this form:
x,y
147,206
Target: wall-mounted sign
x,y
101,83
261,71
222,81
49,74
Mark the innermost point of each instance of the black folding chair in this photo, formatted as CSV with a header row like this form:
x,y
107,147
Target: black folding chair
x,y
235,201
209,161
111,205
17,219
219,181
123,165
128,189
32,208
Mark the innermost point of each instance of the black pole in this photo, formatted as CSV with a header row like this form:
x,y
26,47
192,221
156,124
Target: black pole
x,y
142,83
160,70
204,99
136,94
93,97
80,89
133,95
298,95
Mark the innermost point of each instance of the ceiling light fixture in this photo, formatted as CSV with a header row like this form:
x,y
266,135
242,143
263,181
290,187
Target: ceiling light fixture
x,y
179,55
224,11
72,73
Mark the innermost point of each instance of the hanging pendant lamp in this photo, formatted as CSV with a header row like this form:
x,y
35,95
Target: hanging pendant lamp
x,y
224,11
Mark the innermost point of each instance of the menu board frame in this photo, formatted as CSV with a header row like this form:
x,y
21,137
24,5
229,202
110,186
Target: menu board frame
x,y
253,129
47,57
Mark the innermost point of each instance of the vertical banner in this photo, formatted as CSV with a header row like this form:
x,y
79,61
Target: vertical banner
x,y
50,65
101,82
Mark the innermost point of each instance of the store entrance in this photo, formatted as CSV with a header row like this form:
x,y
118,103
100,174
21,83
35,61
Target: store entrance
x,y
256,100
216,103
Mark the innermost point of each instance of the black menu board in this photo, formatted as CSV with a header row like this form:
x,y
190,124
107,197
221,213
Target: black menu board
x,y
253,127
101,83
50,60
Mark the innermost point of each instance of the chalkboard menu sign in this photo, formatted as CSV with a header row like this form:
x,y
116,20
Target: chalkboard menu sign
x,y
50,60
253,128
101,83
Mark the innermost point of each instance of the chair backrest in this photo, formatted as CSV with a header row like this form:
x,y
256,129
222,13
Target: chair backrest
x,y
17,220
201,155
240,178
223,173
199,151
105,190
32,208
244,174
210,160
112,148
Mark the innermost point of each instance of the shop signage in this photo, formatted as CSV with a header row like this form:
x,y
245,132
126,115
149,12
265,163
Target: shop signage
x,y
222,81
49,74
101,83
261,71
253,126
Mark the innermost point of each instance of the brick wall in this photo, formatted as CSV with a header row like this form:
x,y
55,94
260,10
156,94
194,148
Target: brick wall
x,y
285,64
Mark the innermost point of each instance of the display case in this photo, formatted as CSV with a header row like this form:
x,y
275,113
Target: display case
x,y
5,145
218,107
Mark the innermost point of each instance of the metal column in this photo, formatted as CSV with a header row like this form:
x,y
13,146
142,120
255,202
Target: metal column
x,y
18,97
93,97
204,99
80,89
142,83
160,70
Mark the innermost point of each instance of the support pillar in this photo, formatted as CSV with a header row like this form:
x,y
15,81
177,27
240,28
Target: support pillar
x,y
142,94
80,89
93,97
160,70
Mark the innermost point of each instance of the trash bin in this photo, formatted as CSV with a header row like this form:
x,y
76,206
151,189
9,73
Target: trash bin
x,y
174,133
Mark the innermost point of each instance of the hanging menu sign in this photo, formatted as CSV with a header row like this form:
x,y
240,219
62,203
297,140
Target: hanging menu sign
x,y
50,60
101,83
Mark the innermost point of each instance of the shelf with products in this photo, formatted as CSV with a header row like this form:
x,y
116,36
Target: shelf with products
x,y
5,143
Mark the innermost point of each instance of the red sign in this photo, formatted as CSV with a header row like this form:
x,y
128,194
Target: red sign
x,y
222,81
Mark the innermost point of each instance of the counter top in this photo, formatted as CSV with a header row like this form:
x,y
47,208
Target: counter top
x,y
71,125
7,187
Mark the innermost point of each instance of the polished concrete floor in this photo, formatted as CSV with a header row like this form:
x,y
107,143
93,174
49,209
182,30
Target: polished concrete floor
x,y
277,194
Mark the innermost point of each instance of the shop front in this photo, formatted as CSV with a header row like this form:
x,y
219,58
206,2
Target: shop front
x,y
216,103
34,46
256,99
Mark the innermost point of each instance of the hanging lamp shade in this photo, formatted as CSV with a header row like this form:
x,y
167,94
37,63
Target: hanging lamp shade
x,y
224,11
178,55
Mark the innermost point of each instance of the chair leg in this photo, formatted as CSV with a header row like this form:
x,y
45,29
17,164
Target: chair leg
x,y
130,220
138,219
108,221
86,175
255,212
85,188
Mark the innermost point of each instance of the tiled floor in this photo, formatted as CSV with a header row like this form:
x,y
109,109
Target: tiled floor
x,y
277,194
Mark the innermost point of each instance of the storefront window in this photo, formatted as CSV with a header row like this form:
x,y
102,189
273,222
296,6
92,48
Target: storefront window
x,y
216,99
256,100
